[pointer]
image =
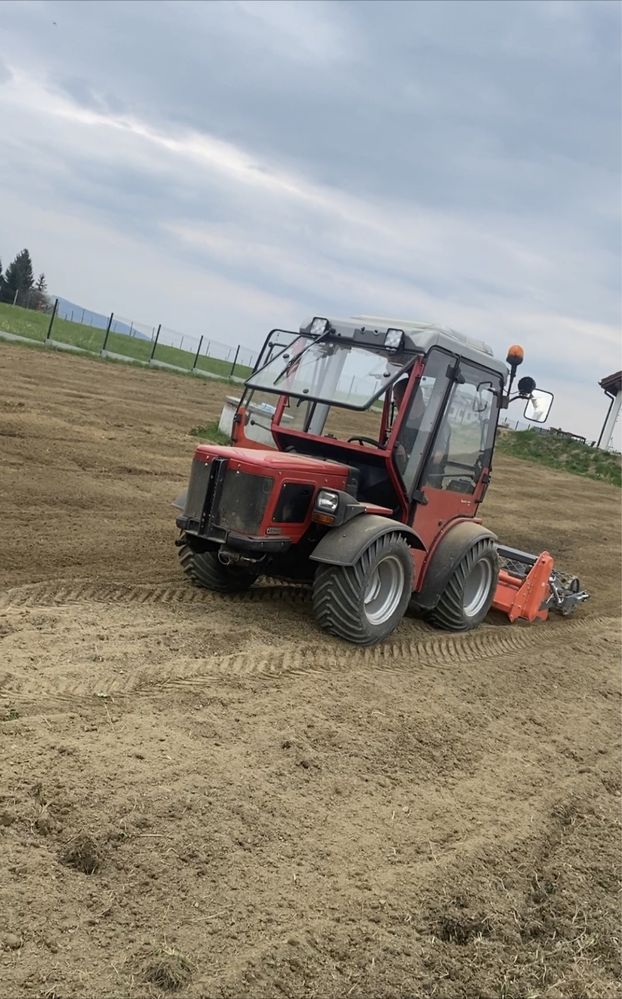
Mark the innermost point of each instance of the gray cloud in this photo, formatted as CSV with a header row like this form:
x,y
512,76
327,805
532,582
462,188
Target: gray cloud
x,y
5,73
456,161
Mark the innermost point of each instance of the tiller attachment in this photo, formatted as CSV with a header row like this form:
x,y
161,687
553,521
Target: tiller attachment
x,y
530,586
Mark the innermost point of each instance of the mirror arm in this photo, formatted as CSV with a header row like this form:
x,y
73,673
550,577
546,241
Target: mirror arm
x,y
506,396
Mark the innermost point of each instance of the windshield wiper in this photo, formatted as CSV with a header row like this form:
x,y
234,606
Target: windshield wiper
x,y
290,364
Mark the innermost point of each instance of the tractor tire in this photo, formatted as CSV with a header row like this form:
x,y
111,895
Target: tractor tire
x,y
469,592
363,603
204,569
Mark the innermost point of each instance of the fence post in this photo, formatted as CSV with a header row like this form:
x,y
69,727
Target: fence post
x,y
235,361
155,342
196,356
107,333
47,339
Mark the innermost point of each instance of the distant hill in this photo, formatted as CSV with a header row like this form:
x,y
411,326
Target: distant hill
x,y
78,314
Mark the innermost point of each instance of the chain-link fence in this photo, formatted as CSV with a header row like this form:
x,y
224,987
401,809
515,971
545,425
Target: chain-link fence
x,y
35,316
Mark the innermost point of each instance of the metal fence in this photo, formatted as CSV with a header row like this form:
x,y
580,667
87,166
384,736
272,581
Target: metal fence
x,y
56,323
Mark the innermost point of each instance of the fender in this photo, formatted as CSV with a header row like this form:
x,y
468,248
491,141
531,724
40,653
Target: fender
x,y
444,559
345,545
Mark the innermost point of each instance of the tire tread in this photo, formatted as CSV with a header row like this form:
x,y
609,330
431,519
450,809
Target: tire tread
x,y
449,612
337,594
204,570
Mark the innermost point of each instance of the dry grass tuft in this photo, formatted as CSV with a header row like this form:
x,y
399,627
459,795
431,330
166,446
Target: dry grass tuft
x,y
166,968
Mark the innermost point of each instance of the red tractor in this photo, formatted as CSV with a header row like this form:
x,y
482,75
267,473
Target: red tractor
x,y
374,523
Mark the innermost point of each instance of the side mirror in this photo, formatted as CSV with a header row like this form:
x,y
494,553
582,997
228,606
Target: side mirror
x,y
538,406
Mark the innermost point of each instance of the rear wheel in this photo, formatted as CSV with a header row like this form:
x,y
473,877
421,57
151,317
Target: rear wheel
x,y
363,603
469,593
204,569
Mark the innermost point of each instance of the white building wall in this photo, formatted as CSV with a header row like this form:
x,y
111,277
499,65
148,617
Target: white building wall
x,y
610,439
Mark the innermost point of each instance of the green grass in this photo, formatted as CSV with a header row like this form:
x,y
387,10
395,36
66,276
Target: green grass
x,y
32,344
28,323
221,367
211,433
563,453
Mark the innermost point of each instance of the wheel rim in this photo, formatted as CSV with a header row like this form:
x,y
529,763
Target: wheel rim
x,y
477,587
384,590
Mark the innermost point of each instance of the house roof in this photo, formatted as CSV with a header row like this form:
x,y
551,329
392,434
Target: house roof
x,y
612,383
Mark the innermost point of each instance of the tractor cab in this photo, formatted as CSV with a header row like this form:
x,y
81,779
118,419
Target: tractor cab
x,y
335,403
383,434
407,411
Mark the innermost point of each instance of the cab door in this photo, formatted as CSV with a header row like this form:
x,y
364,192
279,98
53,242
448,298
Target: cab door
x,y
456,469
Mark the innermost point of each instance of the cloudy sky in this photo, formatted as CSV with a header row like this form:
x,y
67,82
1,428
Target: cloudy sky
x,y
227,167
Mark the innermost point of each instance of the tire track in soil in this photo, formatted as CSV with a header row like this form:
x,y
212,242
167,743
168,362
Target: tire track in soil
x,y
71,592
58,593
397,656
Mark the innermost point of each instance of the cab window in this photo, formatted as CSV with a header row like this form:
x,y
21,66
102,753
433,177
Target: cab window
x,y
418,422
462,444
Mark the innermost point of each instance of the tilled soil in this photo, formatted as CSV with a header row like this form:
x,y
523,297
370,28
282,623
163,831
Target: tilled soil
x,y
206,796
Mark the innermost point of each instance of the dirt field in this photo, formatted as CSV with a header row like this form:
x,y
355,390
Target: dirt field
x,y
206,794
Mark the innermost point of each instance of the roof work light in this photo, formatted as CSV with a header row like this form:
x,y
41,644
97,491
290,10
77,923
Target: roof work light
x,y
394,339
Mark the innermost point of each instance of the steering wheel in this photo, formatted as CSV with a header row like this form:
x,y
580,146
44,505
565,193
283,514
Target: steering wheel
x,y
364,440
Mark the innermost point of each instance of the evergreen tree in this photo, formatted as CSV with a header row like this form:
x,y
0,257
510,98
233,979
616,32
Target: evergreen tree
x,y
18,277
38,298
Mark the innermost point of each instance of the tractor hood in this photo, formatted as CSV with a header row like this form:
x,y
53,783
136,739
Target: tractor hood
x,y
251,493
283,462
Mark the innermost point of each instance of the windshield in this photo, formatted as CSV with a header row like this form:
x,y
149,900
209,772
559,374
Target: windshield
x,y
343,373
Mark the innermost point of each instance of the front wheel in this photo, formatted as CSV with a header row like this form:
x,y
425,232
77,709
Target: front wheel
x,y
204,569
469,593
363,603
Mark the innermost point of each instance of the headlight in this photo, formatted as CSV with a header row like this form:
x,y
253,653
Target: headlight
x,y
393,339
327,501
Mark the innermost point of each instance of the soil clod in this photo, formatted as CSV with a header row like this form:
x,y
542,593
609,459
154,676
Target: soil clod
x,y
82,853
462,930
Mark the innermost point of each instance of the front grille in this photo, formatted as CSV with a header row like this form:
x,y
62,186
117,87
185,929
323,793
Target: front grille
x,y
293,503
197,490
242,501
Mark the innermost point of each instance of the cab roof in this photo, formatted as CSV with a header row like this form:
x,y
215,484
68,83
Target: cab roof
x,y
420,337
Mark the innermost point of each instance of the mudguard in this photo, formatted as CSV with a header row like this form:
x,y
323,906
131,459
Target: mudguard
x,y
444,559
345,545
